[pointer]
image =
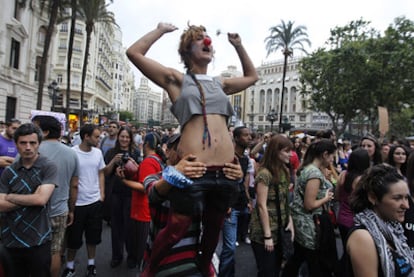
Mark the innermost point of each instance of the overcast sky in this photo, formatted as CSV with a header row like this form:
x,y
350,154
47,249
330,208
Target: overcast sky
x,y
251,19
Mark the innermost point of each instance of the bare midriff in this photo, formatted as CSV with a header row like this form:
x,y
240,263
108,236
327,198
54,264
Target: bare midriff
x,y
221,150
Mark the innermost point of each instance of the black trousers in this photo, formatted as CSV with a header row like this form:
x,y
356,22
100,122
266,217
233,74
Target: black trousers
x,y
122,227
301,255
268,263
32,261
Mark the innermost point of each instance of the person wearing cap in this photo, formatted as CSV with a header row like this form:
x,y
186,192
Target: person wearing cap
x,y
153,162
8,150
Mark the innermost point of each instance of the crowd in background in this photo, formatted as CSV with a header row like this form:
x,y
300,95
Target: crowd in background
x,y
285,182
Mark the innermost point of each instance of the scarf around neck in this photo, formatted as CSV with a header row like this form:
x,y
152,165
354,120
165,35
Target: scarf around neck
x,y
385,233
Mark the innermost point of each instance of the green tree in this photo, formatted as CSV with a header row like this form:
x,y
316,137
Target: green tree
x,y
92,11
402,123
126,115
339,80
360,72
286,37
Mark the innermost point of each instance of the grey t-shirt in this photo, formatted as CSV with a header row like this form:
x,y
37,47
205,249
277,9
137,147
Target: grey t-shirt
x,y
67,164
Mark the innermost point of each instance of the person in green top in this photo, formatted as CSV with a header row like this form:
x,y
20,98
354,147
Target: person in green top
x,y
272,180
312,191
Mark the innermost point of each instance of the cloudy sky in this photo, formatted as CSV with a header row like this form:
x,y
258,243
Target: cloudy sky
x,y
251,19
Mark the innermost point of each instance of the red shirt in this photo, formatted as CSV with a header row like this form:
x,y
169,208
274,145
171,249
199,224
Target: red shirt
x,y
294,160
139,202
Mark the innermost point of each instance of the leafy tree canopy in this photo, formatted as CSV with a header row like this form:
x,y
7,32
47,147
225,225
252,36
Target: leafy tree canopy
x,y
361,70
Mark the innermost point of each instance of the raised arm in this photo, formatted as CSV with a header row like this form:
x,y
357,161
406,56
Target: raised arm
x,y
233,85
167,78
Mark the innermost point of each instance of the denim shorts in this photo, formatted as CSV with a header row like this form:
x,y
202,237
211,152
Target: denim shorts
x,y
212,191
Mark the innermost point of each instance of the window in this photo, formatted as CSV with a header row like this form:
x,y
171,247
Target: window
x,y
11,104
77,46
59,78
42,35
76,63
62,44
18,5
14,54
61,60
37,67
64,27
78,29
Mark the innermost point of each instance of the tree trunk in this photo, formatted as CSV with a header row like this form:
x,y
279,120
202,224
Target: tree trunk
x,y
283,92
69,65
42,70
85,67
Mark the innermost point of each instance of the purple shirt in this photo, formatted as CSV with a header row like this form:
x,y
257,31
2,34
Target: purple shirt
x,y
345,215
7,148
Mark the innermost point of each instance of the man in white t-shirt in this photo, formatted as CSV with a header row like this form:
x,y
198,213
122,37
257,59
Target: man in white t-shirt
x,y
88,208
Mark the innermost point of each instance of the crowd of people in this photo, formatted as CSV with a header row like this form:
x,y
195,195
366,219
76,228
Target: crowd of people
x,y
281,182
169,196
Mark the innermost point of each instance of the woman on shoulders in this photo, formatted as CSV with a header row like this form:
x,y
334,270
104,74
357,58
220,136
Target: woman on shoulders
x,y
200,104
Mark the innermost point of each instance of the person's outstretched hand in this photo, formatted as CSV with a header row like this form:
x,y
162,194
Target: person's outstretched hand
x,y
166,27
234,39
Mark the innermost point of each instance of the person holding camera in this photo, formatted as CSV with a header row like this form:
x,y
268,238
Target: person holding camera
x,y
121,227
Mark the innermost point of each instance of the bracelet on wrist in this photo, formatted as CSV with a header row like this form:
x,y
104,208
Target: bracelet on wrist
x,y
175,178
266,238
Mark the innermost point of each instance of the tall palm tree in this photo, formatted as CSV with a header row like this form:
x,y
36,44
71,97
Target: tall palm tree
x,y
288,38
53,9
92,11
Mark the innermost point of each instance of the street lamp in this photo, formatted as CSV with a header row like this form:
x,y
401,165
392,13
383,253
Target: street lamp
x,y
271,117
53,90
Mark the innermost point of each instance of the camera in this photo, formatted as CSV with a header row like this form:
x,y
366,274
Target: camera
x,y
124,159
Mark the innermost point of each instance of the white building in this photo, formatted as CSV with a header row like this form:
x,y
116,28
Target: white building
x,y
265,96
109,80
22,38
147,104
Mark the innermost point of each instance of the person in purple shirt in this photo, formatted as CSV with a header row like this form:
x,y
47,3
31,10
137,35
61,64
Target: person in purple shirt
x,y
8,150
358,162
